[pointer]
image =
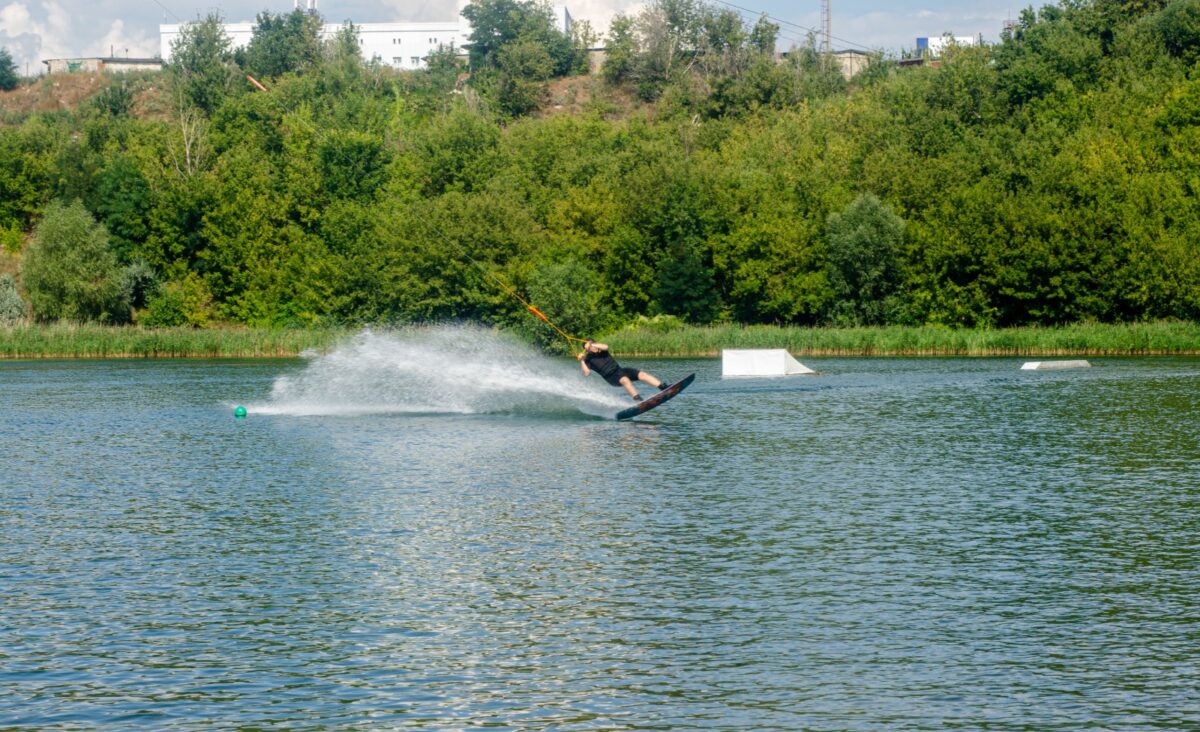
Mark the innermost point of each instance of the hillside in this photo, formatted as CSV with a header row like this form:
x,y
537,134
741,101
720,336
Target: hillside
x,y
1048,179
72,92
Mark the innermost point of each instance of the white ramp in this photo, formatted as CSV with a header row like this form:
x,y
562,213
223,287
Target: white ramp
x,y
760,362
1054,365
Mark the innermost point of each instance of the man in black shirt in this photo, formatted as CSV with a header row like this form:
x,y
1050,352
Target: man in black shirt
x,y
595,357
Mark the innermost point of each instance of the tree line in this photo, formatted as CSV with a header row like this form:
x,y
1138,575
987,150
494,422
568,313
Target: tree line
x,y
1047,179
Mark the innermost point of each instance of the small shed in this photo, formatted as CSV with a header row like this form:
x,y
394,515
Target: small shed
x,y
97,64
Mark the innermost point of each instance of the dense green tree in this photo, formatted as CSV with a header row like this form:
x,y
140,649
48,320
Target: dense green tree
x,y
25,176
201,63
498,23
523,69
121,200
343,58
763,36
69,271
572,291
454,154
621,54
9,76
686,286
281,43
351,164
864,255
1179,26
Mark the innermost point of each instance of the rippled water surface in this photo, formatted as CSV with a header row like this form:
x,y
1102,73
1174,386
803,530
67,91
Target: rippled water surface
x,y
926,543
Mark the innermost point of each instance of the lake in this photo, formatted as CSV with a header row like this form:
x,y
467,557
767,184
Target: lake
x,y
445,530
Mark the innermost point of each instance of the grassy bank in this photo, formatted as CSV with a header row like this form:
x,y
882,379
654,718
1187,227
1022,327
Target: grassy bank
x,y
1161,338
98,341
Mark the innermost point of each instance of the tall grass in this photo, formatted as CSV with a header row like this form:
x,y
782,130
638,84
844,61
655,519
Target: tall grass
x,y
646,339
1087,339
98,341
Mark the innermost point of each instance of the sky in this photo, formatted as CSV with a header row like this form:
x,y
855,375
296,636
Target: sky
x,y
34,30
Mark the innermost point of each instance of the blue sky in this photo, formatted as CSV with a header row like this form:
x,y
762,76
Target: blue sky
x,y
34,30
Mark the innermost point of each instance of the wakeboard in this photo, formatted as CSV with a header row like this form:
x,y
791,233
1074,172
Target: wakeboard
x,y
655,400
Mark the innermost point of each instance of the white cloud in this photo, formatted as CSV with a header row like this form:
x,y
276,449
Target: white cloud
x,y
135,43
893,31
15,19
31,39
418,12
601,12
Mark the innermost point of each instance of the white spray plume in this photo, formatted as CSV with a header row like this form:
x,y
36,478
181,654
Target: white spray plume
x,y
450,369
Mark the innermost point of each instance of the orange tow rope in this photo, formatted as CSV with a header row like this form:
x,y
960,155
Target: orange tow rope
x,y
569,338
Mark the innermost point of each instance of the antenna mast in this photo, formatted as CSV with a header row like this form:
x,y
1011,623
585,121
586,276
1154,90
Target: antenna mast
x,y
826,26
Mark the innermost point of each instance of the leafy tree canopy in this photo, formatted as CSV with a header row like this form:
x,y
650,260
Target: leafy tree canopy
x,y
281,43
9,77
69,271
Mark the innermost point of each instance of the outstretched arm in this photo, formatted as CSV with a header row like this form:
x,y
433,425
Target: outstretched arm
x,y
583,363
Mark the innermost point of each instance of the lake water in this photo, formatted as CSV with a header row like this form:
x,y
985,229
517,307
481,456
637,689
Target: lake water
x,y
442,530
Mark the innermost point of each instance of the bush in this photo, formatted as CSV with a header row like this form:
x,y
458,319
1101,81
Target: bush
x,y
164,309
69,271
183,302
12,307
10,238
140,282
116,99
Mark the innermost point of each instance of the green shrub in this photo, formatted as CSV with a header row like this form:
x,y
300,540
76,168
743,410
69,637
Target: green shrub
x,y
140,282
164,309
10,238
12,307
183,302
69,271
116,99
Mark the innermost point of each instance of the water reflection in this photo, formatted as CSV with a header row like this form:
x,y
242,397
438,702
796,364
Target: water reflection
x,y
926,543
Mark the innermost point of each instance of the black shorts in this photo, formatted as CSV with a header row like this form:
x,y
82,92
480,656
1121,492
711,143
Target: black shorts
x,y
615,379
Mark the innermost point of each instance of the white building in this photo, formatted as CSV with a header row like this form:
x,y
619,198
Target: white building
x,y
401,45
108,64
935,45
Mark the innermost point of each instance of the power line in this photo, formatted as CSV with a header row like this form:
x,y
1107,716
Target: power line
x,y
779,35
168,11
781,21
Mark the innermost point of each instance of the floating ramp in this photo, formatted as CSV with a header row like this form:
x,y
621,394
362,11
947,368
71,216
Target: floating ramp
x,y
760,362
1054,365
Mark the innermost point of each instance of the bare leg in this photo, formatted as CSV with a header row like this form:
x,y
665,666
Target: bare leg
x,y
650,379
625,382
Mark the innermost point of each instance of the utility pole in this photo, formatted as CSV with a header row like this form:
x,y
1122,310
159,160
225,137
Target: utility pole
x,y
826,26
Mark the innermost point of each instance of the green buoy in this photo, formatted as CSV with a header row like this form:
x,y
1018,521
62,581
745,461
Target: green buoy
x,y
239,412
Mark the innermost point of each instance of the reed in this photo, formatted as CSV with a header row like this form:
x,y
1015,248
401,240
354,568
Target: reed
x,y
1084,339
99,341
648,338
